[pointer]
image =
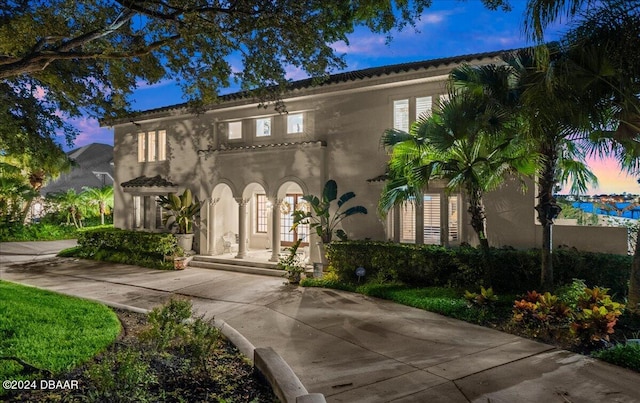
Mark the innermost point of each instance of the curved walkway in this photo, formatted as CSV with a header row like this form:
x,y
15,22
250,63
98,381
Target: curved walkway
x,y
350,347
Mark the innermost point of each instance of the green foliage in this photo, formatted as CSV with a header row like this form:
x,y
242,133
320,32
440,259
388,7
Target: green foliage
x,y
624,355
128,247
36,232
595,316
121,376
168,323
319,216
51,331
541,315
182,210
484,298
506,270
291,263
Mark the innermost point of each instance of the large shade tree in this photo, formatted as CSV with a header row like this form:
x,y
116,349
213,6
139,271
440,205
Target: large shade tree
x,y
467,143
66,58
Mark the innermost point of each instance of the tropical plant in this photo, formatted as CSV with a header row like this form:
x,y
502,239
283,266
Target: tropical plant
x,y
605,49
465,143
72,204
319,215
291,263
538,95
101,197
182,210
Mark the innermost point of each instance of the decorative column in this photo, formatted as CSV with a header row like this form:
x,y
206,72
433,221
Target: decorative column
x,y
275,229
211,235
242,227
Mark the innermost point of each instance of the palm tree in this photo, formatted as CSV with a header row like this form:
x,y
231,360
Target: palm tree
x,y
466,144
535,94
606,40
102,197
72,203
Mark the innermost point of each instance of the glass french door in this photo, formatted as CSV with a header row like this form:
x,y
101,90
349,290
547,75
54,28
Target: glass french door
x,y
287,235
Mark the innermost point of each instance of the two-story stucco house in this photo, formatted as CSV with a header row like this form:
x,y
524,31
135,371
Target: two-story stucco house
x,y
252,165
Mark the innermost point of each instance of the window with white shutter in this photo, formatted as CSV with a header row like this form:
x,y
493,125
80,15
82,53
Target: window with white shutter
x,y
408,223
431,219
401,114
424,106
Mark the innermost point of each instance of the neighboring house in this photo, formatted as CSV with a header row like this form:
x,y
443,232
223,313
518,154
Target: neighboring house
x,y
93,167
252,165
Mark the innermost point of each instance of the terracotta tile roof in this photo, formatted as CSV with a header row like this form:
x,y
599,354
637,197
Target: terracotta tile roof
x,y
145,181
226,147
350,76
379,178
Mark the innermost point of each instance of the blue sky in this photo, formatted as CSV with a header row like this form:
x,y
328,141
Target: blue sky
x,y
448,28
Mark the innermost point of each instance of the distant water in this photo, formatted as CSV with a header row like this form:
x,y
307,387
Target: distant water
x,y
590,207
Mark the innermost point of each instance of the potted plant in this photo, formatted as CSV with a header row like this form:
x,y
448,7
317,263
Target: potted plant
x,y
292,264
319,216
182,211
179,259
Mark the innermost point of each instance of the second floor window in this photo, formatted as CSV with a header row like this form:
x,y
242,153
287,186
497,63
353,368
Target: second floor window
x,y
406,111
263,127
295,123
234,130
152,146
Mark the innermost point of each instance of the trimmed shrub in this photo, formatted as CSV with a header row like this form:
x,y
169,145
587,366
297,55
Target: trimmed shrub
x,y
506,270
127,247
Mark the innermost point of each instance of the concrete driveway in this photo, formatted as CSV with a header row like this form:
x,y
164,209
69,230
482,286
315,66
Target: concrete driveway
x,y
350,347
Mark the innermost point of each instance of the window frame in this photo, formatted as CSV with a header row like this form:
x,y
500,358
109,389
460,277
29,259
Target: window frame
x,y
301,124
229,130
259,126
152,146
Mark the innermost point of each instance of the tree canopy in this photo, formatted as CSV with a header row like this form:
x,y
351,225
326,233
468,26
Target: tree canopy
x,y
66,58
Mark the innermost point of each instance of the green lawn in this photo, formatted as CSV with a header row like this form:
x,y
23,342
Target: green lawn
x,y
50,331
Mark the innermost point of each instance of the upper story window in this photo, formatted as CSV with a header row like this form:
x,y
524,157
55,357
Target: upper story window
x,y
295,123
234,130
263,127
402,108
401,114
424,105
152,146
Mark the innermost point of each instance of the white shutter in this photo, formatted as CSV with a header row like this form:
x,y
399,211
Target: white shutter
x,y
162,145
431,219
401,114
142,140
408,223
151,146
424,105
453,219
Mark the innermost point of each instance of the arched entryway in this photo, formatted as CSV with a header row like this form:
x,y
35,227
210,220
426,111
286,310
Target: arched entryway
x,y
223,221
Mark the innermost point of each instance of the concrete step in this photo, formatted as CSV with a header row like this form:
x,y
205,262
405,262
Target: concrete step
x,y
239,265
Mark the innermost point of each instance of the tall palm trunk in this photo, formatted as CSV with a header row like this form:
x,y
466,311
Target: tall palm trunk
x,y
546,209
478,216
102,211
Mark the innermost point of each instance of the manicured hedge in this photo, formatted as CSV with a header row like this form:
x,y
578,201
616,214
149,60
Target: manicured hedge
x,y
506,270
156,245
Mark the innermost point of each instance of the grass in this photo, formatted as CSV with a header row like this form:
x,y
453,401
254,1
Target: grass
x,y
50,331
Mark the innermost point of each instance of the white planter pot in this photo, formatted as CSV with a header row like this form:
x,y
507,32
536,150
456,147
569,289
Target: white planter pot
x,y
185,241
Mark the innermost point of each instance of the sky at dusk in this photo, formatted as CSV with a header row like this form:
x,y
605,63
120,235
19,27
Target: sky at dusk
x,y
448,28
